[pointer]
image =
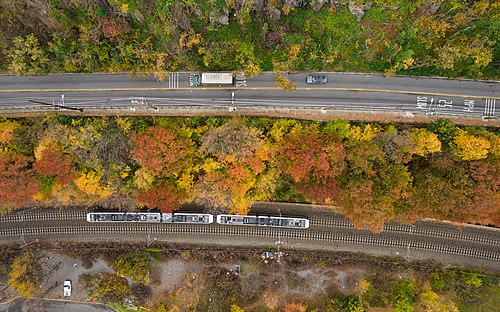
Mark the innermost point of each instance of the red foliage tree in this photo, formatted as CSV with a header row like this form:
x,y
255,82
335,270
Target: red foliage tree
x,y
311,156
17,183
162,152
313,160
162,195
486,193
55,163
324,192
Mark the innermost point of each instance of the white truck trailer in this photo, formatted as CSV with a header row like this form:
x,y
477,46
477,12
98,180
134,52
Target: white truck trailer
x,y
212,79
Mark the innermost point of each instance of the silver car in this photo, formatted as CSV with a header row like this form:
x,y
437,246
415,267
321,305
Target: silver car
x,y
316,79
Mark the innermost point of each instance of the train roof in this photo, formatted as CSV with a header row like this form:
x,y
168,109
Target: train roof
x,y
290,222
123,217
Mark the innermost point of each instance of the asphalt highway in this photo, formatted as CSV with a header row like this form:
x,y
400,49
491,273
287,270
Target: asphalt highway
x,y
108,93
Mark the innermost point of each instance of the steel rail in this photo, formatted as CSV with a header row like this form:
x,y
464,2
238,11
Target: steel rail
x,y
242,231
44,215
391,227
59,215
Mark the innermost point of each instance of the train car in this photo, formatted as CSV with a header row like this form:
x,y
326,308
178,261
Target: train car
x,y
272,221
191,218
142,217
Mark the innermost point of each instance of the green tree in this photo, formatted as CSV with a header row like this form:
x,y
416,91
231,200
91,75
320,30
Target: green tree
x,y
354,304
105,286
445,130
466,54
27,57
403,296
339,126
136,266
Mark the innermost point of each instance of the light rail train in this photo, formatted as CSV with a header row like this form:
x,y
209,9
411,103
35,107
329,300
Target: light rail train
x,y
198,218
299,223
150,217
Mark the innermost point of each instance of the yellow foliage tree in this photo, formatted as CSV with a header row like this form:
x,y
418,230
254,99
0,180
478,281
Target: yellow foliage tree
x,y
185,181
431,301
362,287
468,147
7,129
69,194
25,276
90,184
284,83
252,69
143,179
235,308
357,134
426,142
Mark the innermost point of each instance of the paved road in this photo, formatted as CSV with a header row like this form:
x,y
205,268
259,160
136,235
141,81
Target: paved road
x,y
353,92
42,305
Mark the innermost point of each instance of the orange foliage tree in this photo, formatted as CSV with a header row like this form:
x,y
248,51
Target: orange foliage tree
x,y
17,181
235,164
294,307
162,151
161,195
372,184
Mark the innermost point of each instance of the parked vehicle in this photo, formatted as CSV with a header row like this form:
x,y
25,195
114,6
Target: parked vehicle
x,y
316,79
67,288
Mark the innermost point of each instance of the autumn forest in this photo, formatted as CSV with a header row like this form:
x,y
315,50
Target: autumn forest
x,y
370,172
451,38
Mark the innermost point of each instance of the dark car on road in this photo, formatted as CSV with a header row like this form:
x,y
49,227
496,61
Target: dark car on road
x,y
316,79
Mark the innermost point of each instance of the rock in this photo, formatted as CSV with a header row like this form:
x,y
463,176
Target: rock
x,y
358,10
296,3
429,8
276,14
316,5
220,17
138,15
258,5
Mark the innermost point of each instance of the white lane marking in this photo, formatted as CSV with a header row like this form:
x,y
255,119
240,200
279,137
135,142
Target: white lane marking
x,y
469,104
489,107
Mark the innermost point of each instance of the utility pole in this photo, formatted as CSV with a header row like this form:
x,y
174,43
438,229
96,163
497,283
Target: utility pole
x,y
279,242
151,241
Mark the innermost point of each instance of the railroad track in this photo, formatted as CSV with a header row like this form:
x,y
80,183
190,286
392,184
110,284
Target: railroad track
x,y
44,215
397,228
66,215
242,231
